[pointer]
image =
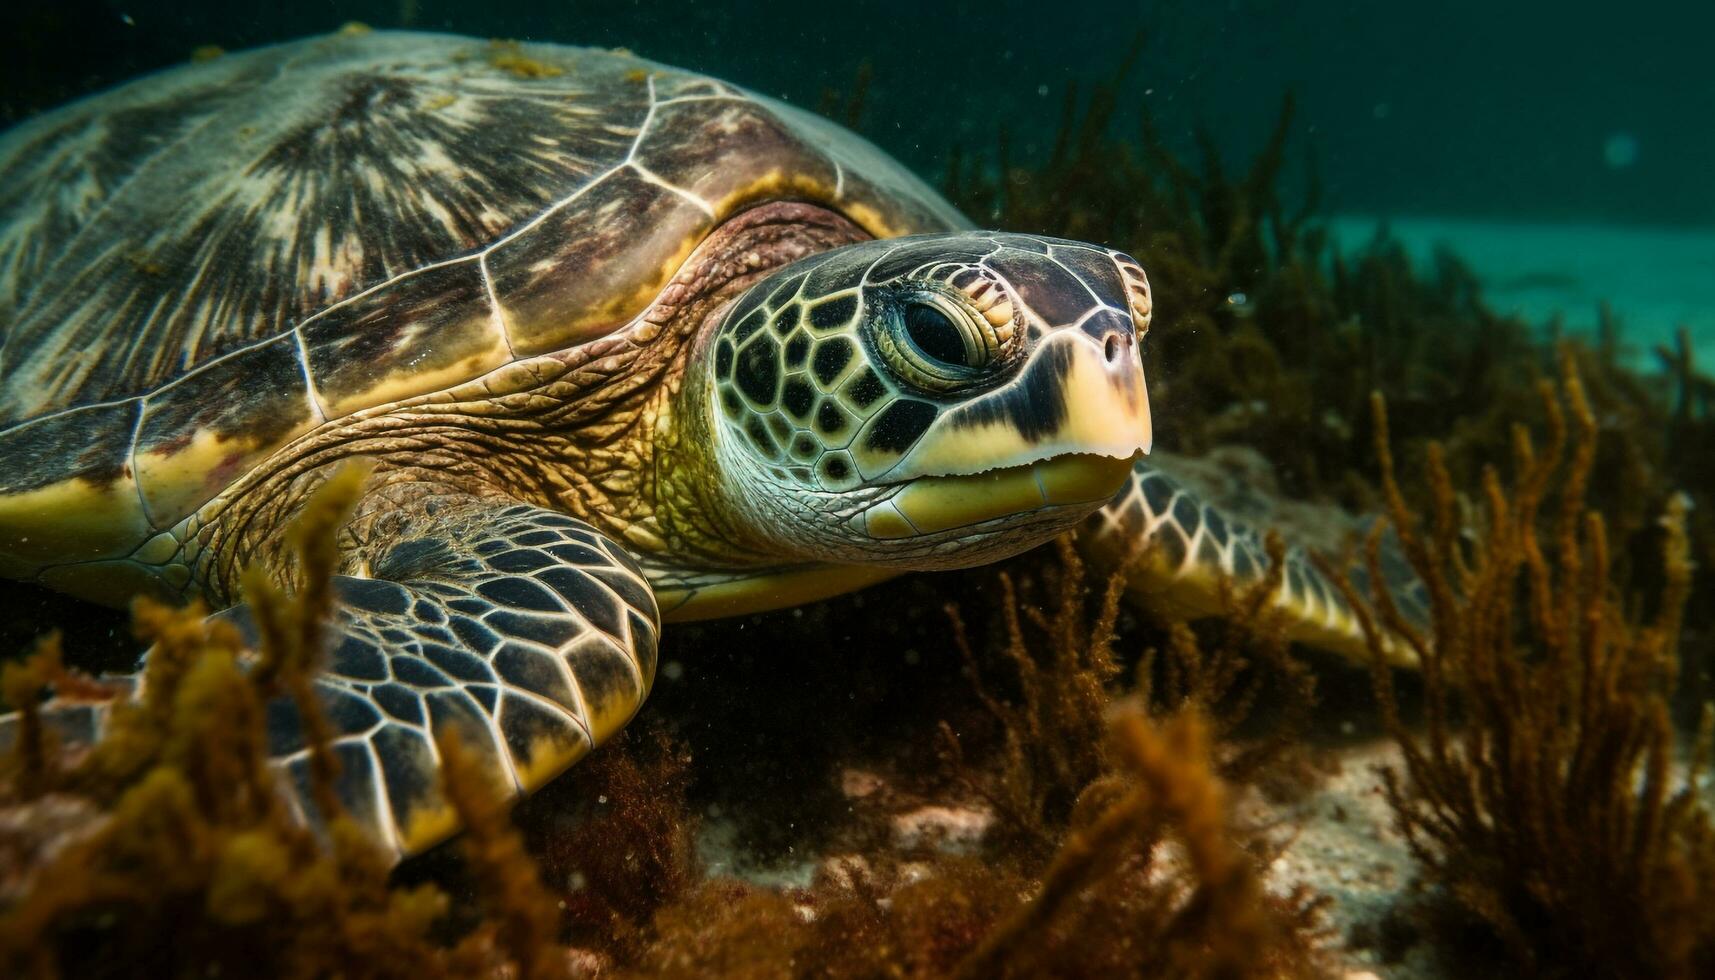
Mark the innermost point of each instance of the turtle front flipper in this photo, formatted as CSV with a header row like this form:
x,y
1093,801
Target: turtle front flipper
x,y
529,633
1187,557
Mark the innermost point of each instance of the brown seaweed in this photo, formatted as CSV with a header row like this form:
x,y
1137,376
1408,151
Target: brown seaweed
x,y
181,857
1539,794
1155,883
1223,926
1052,731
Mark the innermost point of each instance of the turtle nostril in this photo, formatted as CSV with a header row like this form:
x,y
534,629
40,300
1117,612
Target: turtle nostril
x,y
1112,347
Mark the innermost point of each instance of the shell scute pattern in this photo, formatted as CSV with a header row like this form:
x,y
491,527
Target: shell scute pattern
x,y
442,318
581,270
59,171
241,407
717,153
282,220
93,440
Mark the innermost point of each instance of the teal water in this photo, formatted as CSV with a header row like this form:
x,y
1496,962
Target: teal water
x,y
1571,111
1654,281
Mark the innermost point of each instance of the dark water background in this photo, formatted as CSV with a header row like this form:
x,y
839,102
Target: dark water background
x,y
1585,111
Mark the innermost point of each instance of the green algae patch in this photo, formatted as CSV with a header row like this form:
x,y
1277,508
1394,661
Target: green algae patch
x,y
509,56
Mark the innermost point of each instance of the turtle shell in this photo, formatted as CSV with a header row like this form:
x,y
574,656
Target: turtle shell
x,y
203,265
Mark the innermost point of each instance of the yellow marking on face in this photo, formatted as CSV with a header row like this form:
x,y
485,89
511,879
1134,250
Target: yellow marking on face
x,y
993,302
1101,418
1082,478
937,504
761,593
73,520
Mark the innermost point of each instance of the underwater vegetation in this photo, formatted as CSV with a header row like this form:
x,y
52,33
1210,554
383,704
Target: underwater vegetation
x,y
1539,785
166,849
171,825
1052,728
1538,792
1050,678
1152,881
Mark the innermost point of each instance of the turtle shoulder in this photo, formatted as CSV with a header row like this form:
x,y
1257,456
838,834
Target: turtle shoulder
x,y
201,266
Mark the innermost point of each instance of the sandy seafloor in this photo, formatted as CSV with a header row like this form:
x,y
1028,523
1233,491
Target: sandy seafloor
x,y
1655,279
1339,840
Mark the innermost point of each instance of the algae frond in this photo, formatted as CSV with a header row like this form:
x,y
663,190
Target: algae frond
x,y
1155,883
1053,674
1539,794
180,856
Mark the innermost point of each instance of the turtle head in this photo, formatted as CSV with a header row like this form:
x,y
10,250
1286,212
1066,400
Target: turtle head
x,y
928,402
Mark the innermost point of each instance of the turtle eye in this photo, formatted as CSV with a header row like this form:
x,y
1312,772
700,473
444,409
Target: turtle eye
x,y
938,338
934,342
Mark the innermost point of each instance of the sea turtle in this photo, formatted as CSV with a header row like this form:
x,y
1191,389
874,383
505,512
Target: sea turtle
x,y
626,345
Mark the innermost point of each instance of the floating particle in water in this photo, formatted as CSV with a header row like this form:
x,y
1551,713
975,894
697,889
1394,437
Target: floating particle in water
x,y
1620,150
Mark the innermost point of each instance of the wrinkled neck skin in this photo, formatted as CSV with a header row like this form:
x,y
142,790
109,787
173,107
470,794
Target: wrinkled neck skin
x,y
700,525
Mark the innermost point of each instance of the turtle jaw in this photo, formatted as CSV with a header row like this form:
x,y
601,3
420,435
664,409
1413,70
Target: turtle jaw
x,y
1074,482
